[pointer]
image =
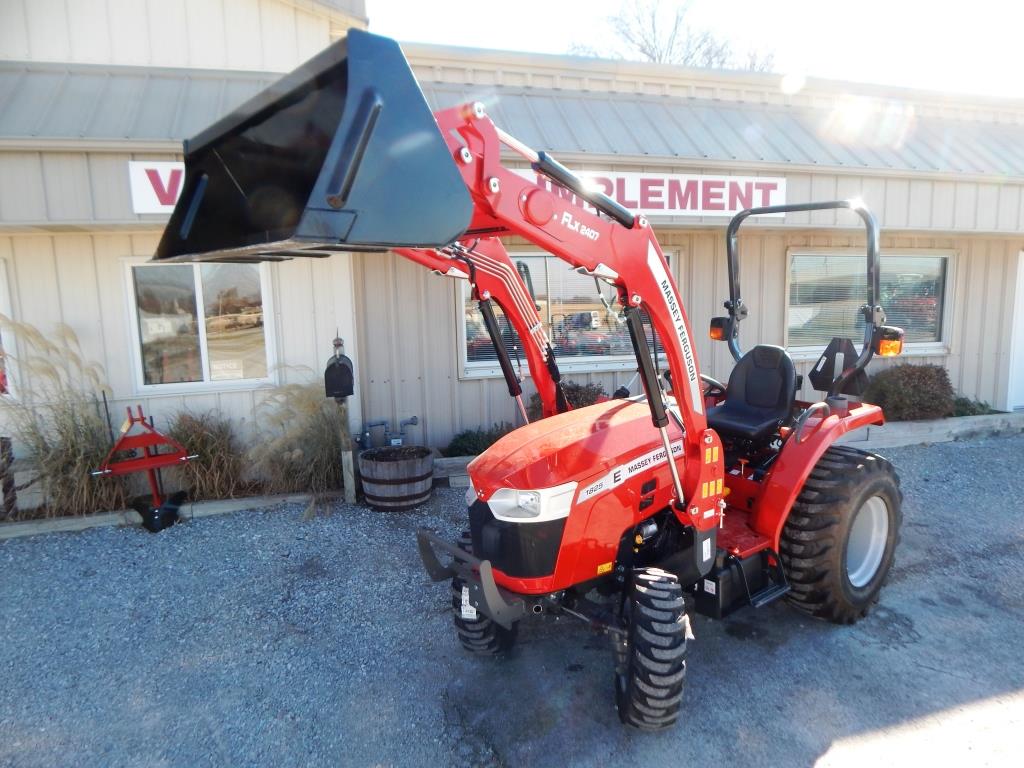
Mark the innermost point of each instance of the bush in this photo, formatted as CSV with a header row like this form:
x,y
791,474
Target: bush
x,y
966,406
912,392
473,442
299,446
578,395
58,423
218,470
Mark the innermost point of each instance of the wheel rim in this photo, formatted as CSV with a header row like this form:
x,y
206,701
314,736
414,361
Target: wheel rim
x,y
865,546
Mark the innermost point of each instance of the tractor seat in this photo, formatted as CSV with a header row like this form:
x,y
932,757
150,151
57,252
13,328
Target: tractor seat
x,y
759,397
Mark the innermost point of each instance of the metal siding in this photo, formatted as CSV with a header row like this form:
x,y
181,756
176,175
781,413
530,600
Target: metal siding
x,y
129,33
22,191
919,204
14,31
90,29
280,51
988,207
47,26
66,182
109,187
205,37
110,252
1008,206
897,203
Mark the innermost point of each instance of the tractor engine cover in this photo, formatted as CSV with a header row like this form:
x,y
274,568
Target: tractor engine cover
x,y
550,502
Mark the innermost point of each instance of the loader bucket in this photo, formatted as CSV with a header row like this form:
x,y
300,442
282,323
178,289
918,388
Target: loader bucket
x,y
343,153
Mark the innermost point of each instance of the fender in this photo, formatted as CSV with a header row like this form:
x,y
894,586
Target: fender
x,y
784,482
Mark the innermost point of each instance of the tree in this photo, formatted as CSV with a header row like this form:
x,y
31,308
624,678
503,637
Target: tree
x,y
651,31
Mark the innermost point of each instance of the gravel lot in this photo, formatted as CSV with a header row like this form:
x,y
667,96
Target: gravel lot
x,y
260,638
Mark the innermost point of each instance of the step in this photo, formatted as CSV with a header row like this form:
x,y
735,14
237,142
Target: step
x,y
768,595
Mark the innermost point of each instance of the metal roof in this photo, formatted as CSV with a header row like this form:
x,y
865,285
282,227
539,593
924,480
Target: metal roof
x,y
45,102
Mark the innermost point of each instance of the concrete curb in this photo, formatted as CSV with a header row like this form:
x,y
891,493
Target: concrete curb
x,y
899,433
127,517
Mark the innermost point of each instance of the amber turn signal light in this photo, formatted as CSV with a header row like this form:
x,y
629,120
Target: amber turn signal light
x,y
888,341
719,328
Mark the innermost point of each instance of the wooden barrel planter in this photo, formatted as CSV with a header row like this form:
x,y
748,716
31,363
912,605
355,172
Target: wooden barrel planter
x,y
397,477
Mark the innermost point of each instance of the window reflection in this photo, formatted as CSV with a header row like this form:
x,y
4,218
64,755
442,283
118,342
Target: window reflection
x,y
200,322
826,293
577,322
165,297
233,305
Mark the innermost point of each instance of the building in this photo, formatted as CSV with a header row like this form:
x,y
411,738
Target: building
x,y
95,98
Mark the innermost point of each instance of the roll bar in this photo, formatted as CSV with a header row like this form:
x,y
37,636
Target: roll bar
x,y
874,315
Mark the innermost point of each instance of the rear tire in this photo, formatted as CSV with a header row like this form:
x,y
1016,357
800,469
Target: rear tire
x,y
480,636
838,544
650,660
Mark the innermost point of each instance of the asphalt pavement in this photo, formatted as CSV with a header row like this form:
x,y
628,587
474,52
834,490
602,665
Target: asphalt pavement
x,y
264,638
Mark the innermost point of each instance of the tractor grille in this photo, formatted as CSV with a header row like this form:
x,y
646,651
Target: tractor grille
x,y
523,550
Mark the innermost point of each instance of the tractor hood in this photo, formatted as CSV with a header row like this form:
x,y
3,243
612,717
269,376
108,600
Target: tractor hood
x,y
571,446
343,153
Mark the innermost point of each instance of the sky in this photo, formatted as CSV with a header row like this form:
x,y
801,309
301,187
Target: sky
x,y
964,47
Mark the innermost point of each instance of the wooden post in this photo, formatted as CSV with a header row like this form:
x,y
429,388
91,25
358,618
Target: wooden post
x,y
348,468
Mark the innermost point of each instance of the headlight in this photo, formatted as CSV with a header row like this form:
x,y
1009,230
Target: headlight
x,y
536,506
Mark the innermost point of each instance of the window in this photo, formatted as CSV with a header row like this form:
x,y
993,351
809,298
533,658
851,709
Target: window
x,y
200,322
583,332
826,292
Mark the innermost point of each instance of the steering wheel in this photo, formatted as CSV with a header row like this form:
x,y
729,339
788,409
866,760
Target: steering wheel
x,y
714,388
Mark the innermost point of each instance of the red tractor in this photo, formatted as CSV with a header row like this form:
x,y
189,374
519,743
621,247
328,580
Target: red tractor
x,y
621,514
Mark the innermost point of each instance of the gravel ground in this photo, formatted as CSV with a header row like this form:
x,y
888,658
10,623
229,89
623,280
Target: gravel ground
x,y
261,638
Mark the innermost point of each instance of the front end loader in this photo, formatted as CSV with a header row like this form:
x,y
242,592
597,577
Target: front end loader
x,y
626,514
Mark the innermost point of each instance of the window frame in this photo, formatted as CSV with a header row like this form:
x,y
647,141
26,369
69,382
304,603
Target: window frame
x,y
204,386
474,370
942,347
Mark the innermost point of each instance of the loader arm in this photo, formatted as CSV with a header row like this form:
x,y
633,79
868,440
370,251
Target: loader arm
x,y
598,237
344,154
493,277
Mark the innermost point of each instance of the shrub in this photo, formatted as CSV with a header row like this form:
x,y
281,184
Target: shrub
x,y
58,423
578,395
475,441
912,392
218,470
299,445
966,406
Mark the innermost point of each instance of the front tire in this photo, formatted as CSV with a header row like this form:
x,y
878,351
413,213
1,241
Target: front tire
x,y
838,544
480,636
650,659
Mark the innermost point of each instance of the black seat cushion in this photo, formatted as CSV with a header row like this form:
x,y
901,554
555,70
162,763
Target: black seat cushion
x,y
759,396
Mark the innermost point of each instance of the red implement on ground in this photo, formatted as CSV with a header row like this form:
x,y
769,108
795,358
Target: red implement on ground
x,y
138,449
624,514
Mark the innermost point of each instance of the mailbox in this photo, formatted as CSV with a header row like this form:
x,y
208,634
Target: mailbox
x,y
338,377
